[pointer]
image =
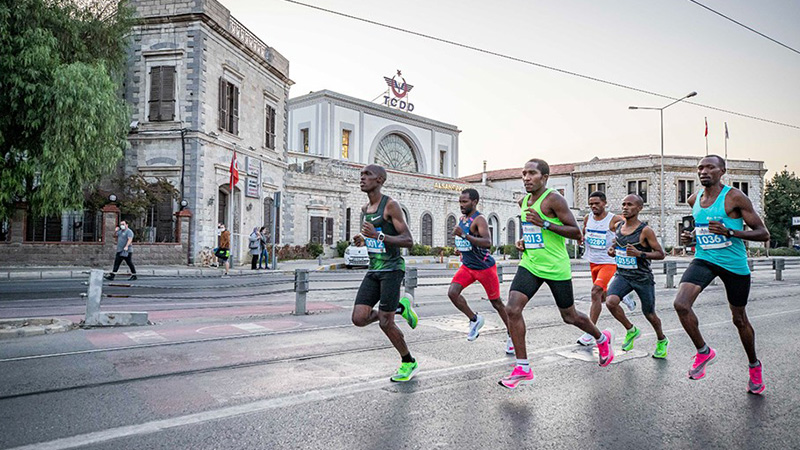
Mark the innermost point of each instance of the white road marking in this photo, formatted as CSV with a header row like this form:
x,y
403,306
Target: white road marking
x,y
155,426
145,337
250,327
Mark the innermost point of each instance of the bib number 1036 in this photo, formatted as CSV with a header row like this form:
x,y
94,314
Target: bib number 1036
x,y
708,240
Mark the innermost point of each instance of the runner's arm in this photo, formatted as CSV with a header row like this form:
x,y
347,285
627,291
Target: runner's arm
x,y
570,229
483,230
651,240
758,231
403,238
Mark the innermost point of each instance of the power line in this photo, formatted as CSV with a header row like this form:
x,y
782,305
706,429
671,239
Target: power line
x,y
535,64
745,26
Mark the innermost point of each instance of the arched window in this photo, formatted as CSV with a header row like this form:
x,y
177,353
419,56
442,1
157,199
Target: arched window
x,y
493,230
449,239
427,229
511,231
395,152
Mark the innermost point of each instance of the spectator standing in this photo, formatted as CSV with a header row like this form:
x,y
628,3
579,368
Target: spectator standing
x,y
223,252
264,256
255,248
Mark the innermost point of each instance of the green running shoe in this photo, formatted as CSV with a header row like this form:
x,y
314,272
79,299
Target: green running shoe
x,y
661,349
630,336
408,312
405,372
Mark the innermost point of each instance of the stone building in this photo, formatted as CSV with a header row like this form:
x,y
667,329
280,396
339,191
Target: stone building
x,y
202,87
511,179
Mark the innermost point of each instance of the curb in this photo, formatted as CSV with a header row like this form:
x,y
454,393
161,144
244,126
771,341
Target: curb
x,y
15,328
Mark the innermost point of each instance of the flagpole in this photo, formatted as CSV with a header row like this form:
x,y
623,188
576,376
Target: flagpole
x,y
706,119
726,141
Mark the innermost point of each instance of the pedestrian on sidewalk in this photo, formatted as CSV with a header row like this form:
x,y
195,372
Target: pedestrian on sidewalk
x,y
264,256
223,252
124,237
255,248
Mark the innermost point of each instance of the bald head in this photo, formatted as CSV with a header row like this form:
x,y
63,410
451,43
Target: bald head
x,y
633,198
377,170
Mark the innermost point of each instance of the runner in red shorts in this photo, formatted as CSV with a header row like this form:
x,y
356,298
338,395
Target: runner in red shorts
x,y
473,242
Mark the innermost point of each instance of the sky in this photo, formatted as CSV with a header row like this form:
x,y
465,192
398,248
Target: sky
x,y
510,112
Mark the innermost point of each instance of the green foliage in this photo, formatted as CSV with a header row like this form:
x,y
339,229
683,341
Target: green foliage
x,y
756,251
315,249
444,251
510,250
63,124
782,202
420,250
784,251
571,251
341,246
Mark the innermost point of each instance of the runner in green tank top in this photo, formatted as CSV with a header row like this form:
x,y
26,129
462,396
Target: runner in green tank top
x,y
546,221
384,231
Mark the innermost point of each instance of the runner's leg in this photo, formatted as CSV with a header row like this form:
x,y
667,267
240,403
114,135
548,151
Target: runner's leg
x,y
687,295
454,293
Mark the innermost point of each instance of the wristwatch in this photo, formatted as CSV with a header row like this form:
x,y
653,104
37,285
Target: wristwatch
x,y
730,232
546,225
381,236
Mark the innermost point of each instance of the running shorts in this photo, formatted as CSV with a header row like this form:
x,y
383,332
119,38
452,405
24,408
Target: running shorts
x,y
602,274
702,273
383,287
646,291
486,277
528,284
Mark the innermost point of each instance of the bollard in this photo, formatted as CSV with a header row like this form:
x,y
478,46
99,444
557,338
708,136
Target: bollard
x,y
319,260
671,270
780,265
300,290
751,265
500,273
94,295
411,282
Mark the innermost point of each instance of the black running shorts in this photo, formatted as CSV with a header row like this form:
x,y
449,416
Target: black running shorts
x,y
646,291
527,284
383,287
702,273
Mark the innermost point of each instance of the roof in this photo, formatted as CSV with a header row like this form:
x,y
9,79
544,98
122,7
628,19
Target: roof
x,y
515,173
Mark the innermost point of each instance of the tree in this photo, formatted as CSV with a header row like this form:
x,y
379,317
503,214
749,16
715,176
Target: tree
x,y
782,202
64,122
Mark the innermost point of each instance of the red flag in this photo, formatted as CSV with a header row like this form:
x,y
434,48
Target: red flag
x,y
706,118
234,171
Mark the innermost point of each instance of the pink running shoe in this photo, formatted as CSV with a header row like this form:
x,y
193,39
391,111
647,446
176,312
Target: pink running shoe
x,y
606,353
517,377
701,360
756,384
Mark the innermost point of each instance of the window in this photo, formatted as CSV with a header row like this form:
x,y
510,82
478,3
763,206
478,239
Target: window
x,y
638,187
442,160
345,144
269,203
161,103
685,190
427,229
228,106
317,229
743,186
395,152
304,136
511,232
593,187
347,225
159,222
269,117
449,239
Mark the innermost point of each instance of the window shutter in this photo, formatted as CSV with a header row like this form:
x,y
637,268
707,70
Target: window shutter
x,y
235,111
223,103
155,94
167,107
329,231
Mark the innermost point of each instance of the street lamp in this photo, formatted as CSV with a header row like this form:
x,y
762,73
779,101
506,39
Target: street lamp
x,y
661,189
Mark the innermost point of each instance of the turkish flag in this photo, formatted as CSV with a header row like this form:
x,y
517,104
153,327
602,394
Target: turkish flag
x,y
706,127
234,171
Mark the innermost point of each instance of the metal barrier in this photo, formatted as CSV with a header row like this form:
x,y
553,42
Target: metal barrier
x,y
779,264
500,273
300,290
671,269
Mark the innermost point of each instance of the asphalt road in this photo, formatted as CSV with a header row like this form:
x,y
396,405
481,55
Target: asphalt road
x,y
318,382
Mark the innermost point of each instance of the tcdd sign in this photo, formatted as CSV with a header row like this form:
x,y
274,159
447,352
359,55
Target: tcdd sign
x,y
399,91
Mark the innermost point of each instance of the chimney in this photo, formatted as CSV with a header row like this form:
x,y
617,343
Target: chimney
x,y
483,178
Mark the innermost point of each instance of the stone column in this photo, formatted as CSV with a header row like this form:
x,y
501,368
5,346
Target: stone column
x,y
183,221
110,222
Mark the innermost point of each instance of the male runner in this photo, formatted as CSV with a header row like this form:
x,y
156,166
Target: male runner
x,y
636,245
384,232
720,212
547,221
598,237
473,242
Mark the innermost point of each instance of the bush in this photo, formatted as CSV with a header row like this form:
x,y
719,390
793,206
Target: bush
x,y
510,250
315,249
571,251
341,246
420,250
308,251
784,251
668,249
444,251
756,251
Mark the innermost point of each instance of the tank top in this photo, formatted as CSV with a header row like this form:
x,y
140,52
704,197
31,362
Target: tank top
x,y
630,267
598,239
724,251
476,258
545,252
382,257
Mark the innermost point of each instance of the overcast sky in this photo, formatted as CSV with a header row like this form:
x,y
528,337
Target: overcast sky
x,y
510,112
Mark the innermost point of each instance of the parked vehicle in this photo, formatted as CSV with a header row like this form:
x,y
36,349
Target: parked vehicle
x,y
356,256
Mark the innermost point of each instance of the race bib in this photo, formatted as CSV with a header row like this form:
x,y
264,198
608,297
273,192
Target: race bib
x,y
624,261
374,245
708,240
596,239
532,236
462,244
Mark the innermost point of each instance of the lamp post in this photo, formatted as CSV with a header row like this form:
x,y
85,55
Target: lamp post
x,y
661,189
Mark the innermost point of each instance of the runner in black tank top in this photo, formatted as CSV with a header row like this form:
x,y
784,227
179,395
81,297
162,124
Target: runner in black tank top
x,y
472,241
384,232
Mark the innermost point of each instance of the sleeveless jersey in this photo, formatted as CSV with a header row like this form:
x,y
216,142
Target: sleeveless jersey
x,y
382,257
598,239
630,267
724,251
473,257
545,252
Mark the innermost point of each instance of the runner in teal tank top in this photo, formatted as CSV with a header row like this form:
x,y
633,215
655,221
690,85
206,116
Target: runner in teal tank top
x,y
384,231
546,221
720,213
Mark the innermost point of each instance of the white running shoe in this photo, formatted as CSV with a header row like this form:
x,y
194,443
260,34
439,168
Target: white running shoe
x,y
509,346
629,301
586,340
475,328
